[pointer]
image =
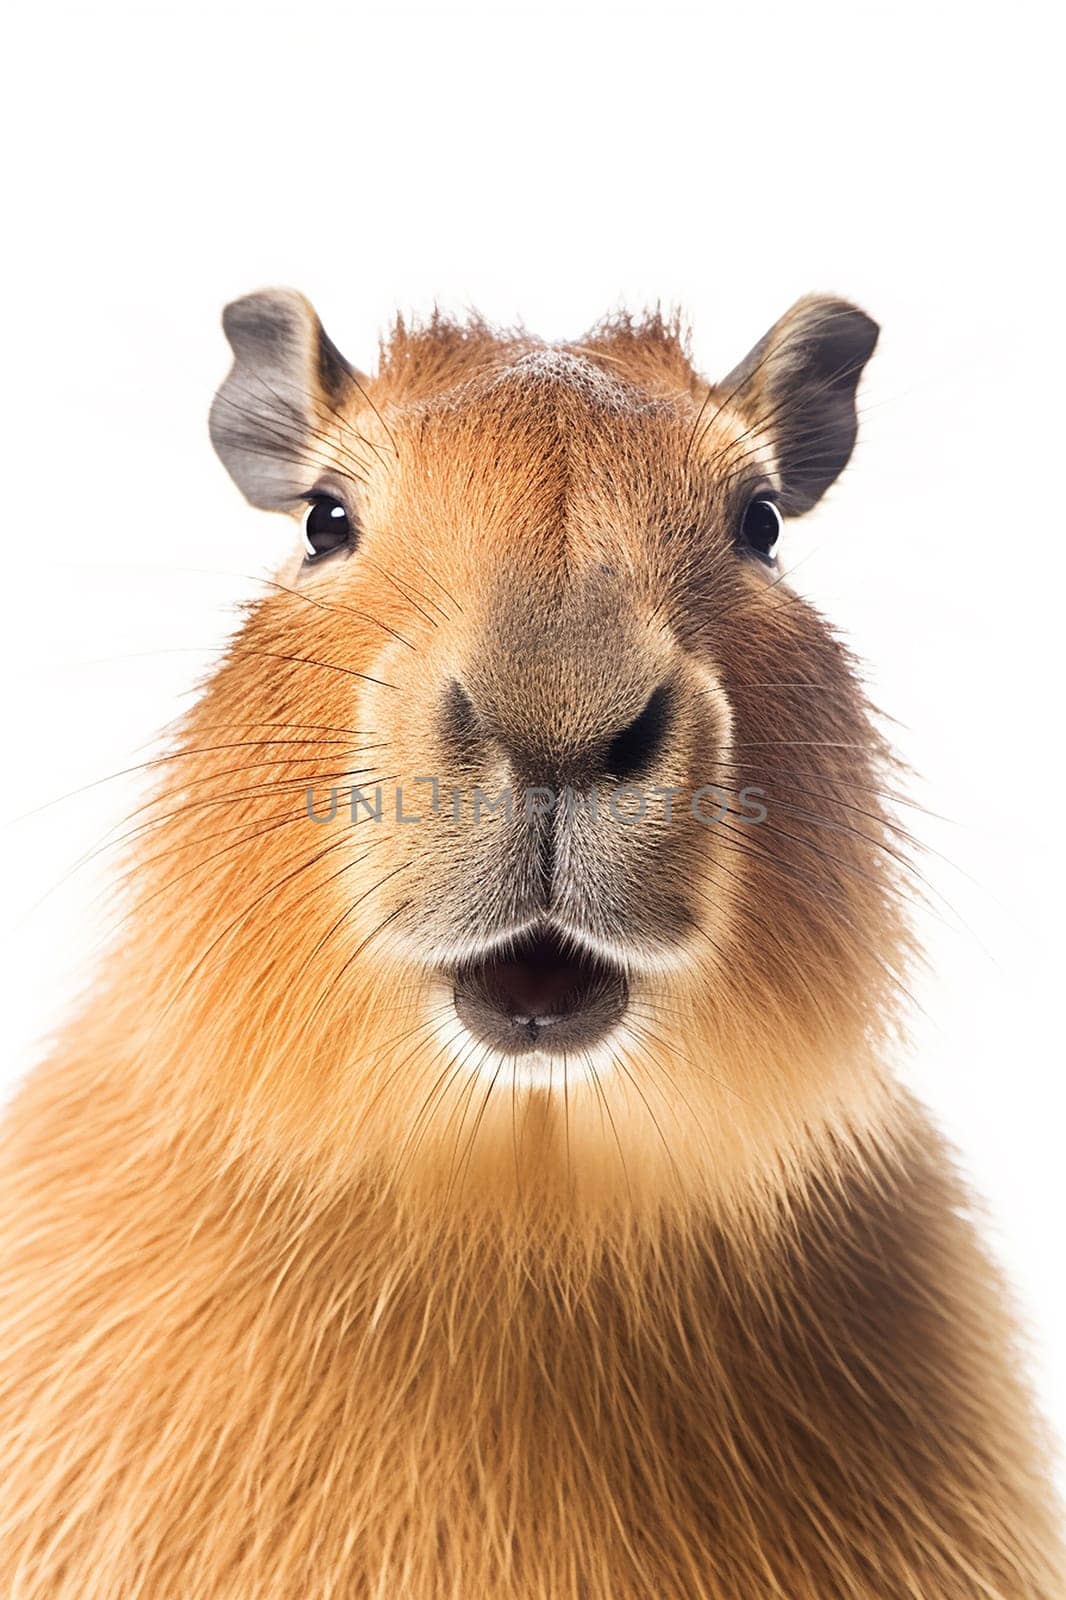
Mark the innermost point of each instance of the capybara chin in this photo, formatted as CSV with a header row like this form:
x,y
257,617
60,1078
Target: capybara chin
x,y
475,1172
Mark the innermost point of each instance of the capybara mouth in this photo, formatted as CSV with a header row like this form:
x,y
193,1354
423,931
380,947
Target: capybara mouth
x,y
540,994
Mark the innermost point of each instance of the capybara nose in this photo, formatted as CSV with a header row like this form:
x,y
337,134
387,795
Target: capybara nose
x,y
545,748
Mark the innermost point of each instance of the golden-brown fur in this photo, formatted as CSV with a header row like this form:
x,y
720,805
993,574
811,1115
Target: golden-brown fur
x,y
299,1300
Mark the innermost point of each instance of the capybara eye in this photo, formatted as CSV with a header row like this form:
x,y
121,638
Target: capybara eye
x,y
761,528
327,527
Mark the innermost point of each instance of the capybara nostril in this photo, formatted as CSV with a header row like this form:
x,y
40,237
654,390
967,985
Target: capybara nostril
x,y
633,750
460,724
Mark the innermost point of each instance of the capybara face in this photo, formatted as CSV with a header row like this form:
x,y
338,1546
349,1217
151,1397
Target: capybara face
x,y
556,838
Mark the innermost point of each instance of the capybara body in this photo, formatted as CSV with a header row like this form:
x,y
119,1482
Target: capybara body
x,y
476,1170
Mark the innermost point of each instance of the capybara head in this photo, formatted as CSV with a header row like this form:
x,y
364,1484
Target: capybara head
x,y
528,848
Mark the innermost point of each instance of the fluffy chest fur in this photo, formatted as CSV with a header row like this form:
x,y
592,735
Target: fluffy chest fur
x,y
235,1394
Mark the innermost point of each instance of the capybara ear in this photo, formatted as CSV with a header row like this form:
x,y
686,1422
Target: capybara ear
x,y
287,381
797,389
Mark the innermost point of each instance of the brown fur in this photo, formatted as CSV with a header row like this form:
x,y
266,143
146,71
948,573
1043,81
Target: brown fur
x,y
297,1303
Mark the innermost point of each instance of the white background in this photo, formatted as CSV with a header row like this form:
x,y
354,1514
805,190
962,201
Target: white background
x,y
550,164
